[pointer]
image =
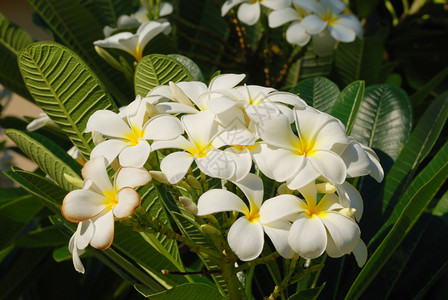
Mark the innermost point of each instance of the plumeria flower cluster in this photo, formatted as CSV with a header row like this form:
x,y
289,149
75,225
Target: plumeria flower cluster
x,y
323,21
234,133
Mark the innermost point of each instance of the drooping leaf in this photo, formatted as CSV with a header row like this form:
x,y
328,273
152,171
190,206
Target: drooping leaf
x,y
406,213
12,40
49,157
416,149
347,104
197,291
65,88
384,119
156,69
358,60
318,92
78,28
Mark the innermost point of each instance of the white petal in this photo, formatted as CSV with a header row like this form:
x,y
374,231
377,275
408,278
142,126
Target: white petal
x,y
308,237
194,90
109,149
225,81
313,24
303,177
80,205
246,239
252,187
179,95
135,156
228,6
200,127
249,13
360,253
147,31
265,111
356,160
344,233
176,165
287,98
277,132
131,177
350,197
296,34
310,5
280,207
84,234
179,143
243,162
350,21
95,169
175,108
104,230
108,123
217,164
128,201
329,165
165,9
329,134
376,170
278,232
216,200
276,4
282,16
342,33
79,267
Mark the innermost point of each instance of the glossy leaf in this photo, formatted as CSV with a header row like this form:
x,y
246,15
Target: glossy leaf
x,y
416,149
191,66
49,157
12,40
358,60
155,69
318,92
384,119
442,206
197,291
65,88
410,207
78,28
347,104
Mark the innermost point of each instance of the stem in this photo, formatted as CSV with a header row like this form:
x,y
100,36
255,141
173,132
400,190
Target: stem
x,y
249,276
232,283
288,65
262,260
280,288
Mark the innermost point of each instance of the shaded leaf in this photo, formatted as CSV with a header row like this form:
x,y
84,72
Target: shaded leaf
x,y
42,237
318,92
309,294
197,291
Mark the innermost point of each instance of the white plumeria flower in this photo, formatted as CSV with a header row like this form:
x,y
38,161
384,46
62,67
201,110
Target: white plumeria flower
x,y
246,235
296,32
165,9
317,227
129,131
190,97
200,147
79,242
249,11
330,14
136,43
257,102
301,159
40,122
100,200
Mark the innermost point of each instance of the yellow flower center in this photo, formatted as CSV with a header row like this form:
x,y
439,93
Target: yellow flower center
x,y
253,215
328,17
133,137
242,147
112,198
199,150
305,147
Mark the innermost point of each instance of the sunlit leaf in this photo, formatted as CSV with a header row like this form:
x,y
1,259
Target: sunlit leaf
x,y
318,92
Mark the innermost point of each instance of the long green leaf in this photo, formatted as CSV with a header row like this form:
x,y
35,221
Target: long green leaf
x,y
347,104
65,88
384,119
12,39
416,198
359,60
418,97
318,92
42,237
188,291
156,69
49,157
78,28
416,149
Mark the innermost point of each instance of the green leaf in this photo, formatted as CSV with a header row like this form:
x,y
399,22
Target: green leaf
x,y
191,67
78,28
47,155
12,39
365,8
309,294
420,95
318,92
42,188
188,291
42,237
15,214
153,202
359,60
5,252
442,206
65,88
415,150
410,207
347,104
156,69
107,12
61,254
384,119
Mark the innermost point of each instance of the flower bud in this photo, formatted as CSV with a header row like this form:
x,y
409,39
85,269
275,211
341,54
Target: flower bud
x,y
325,188
209,229
75,181
194,182
189,205
159,176
108,58
283,189
348,211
